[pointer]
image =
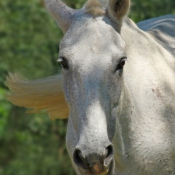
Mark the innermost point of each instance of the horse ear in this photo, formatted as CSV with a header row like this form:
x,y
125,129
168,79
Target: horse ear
x,y
117,9
61,12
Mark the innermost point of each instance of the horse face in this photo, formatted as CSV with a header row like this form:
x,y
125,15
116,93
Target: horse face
x,y
92,55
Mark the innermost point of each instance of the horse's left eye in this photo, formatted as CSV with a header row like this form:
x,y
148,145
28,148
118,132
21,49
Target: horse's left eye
x,y
64,63
121,63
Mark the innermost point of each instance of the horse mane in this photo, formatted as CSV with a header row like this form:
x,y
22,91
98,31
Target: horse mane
x,y
39,95
94,8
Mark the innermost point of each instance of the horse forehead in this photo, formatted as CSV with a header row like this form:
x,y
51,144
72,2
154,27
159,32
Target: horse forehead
x,y
91,32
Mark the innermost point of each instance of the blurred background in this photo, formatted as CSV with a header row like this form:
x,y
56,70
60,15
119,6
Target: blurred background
x,y
29,39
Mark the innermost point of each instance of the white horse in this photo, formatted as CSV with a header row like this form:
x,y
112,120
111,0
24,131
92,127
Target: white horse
x,y
119,84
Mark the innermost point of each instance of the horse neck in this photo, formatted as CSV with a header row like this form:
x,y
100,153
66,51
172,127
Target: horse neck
x,y
139,46
143,74
135,38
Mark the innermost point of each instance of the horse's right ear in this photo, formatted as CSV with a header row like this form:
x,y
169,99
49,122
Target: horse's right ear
x,y
117,9
61,12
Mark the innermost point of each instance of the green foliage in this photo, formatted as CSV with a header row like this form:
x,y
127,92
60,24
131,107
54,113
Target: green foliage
x,y
29,39
141,10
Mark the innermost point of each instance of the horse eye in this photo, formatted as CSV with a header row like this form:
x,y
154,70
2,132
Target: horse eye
x,y
64,63
121,63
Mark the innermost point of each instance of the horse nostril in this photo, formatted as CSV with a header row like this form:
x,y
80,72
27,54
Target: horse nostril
x,y
78,158
108,155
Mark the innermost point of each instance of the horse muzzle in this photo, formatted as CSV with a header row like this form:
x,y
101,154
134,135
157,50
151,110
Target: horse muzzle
x,y
94,163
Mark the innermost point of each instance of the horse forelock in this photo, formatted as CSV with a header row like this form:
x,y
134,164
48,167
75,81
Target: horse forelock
x,y
94,8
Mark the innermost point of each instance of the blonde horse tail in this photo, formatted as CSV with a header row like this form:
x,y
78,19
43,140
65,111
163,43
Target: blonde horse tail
x,y
39,95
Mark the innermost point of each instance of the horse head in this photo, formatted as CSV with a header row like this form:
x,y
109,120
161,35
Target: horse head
x,y
92,55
